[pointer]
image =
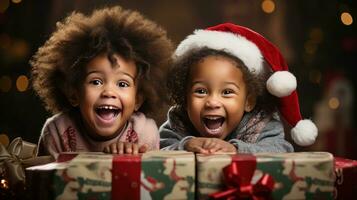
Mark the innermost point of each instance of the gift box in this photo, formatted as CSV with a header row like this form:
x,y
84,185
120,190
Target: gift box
x,y
152,175
14,158
304,175
346,178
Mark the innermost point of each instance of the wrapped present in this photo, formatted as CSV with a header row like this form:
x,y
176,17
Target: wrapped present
x,y
14,158
346,176
152,175
304,175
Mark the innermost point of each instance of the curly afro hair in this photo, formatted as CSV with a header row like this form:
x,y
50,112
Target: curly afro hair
x,y
58,65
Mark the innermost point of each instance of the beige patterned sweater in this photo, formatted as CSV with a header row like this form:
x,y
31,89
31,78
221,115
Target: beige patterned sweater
x,y
61,134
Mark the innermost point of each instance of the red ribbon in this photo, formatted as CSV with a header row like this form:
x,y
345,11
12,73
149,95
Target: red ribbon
x,y
126,177
237,178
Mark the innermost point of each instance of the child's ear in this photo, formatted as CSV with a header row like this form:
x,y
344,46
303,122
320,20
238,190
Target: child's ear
x,y
139,100
250,103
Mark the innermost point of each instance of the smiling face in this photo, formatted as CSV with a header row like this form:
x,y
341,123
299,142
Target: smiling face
x,y
217,97
107,96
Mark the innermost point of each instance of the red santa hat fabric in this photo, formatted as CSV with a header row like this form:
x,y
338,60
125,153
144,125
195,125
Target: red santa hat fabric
x,y
253,49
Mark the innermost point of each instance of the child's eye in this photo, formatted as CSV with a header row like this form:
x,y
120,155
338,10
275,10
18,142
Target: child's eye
x,y
96,82
200,91
123,84
228,91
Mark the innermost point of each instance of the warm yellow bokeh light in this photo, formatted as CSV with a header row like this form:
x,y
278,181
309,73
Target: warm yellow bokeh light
x,y
268,6
4,139
333,103
346,18
5,84
22,83
4,4
5,41
16,1
315,76
316,35
19,49
310,47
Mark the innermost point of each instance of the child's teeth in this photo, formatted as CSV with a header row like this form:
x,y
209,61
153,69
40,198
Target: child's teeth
x,y
107,107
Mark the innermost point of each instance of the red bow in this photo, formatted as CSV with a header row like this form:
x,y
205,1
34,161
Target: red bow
x,y
238,176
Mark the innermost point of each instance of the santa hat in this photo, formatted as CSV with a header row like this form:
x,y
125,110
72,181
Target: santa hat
x,y
252,49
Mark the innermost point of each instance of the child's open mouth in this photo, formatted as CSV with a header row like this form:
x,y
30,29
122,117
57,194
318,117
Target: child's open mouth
x,y
213,124
107,113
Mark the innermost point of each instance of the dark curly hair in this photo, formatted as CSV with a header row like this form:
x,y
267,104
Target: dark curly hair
x,y
179,75
58,65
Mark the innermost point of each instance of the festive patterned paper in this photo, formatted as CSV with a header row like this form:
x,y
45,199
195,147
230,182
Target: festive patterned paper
x,y
162,175
86,176
305,175
153,175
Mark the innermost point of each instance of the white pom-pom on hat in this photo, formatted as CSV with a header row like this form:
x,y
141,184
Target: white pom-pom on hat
x,y
252,48
281,83
304,133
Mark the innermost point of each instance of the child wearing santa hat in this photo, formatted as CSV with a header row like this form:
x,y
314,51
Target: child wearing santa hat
x,y
231,90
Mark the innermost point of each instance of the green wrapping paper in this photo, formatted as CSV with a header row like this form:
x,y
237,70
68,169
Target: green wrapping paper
x,y
304,175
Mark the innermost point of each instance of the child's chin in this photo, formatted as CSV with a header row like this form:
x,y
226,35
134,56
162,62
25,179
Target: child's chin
x,y
106,132
217,133
105,136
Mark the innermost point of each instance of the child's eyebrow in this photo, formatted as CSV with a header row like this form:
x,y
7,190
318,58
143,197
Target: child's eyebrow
x,y
224,83
100,72
197,82
193,83
127,74
93,72
231,83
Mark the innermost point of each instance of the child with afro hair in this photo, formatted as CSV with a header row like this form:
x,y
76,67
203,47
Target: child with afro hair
x,y
100,75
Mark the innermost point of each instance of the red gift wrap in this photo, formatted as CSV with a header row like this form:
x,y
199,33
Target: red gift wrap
x,y
346,178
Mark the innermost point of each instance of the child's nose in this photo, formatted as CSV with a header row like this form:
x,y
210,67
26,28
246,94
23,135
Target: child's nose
x,y
109,92
213,102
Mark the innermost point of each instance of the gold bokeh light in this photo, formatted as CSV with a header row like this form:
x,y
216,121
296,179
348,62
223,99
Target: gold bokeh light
x,y
5,84
333,103
4,4
346,18
310,47
316,35
22,83
4,139
19,49
268,6
315,76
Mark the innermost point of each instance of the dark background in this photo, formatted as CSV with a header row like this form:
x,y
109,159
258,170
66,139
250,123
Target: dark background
x,y
319,48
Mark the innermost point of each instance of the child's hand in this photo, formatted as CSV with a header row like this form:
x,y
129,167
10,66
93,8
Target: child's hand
x,y
209,145
125,148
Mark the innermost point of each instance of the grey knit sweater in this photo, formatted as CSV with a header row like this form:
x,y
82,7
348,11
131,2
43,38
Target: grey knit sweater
x,y
257,132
